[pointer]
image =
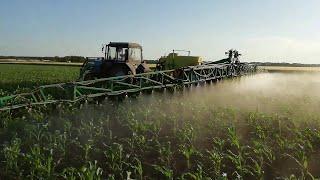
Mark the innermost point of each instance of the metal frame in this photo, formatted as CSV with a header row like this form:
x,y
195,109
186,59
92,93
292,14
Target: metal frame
x,y
123,85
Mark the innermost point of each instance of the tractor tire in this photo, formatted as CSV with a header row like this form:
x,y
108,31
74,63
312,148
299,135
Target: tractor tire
x,y
118,70
88,77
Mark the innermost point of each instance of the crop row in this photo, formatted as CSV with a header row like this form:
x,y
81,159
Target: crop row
x,y
142,140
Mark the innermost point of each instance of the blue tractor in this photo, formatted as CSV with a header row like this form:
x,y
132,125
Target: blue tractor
x,y
120,59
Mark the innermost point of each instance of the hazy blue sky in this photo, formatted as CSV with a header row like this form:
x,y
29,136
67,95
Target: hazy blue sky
x,y
264,30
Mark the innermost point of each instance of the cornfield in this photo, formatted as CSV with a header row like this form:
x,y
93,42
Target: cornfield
x,y
264,126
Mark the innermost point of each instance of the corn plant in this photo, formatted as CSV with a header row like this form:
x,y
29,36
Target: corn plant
x,y
261,156
216,156
116,160
166,172
165,153
90,172
12,152
69,173
239,156
137,168
198,175
187,151
41,165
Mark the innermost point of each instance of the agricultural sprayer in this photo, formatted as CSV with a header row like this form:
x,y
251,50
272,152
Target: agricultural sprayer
x,y
122,72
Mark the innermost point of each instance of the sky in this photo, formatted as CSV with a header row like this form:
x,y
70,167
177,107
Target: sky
x,y
266,30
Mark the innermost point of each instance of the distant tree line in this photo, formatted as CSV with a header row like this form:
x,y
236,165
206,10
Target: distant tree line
x,y
75,59
81,59
151,61
286,64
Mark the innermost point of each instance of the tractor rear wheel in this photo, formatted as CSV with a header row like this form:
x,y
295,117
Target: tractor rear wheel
x,y
118,70
88,77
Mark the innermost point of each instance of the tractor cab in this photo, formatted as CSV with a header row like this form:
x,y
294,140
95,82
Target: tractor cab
x,y
120,59
123,52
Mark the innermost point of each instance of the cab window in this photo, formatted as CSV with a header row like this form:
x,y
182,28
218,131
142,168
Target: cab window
x,y
118,53
135,54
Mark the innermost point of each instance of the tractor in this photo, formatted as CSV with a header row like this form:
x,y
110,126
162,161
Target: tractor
x,y
120,59
125,61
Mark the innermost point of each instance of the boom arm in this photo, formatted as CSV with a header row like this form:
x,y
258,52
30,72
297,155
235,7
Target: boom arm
x,y
122,85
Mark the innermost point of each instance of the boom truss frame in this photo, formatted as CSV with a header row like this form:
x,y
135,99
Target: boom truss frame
x,y
123,85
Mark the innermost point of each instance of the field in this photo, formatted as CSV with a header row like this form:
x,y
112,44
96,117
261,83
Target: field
x,y
290,69
17,76
263,126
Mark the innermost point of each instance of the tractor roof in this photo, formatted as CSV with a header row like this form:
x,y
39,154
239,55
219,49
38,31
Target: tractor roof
x,y
125,45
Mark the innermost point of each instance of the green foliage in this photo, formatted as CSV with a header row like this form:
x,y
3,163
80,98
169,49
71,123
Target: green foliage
x,y
72,146
20,78
159,138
